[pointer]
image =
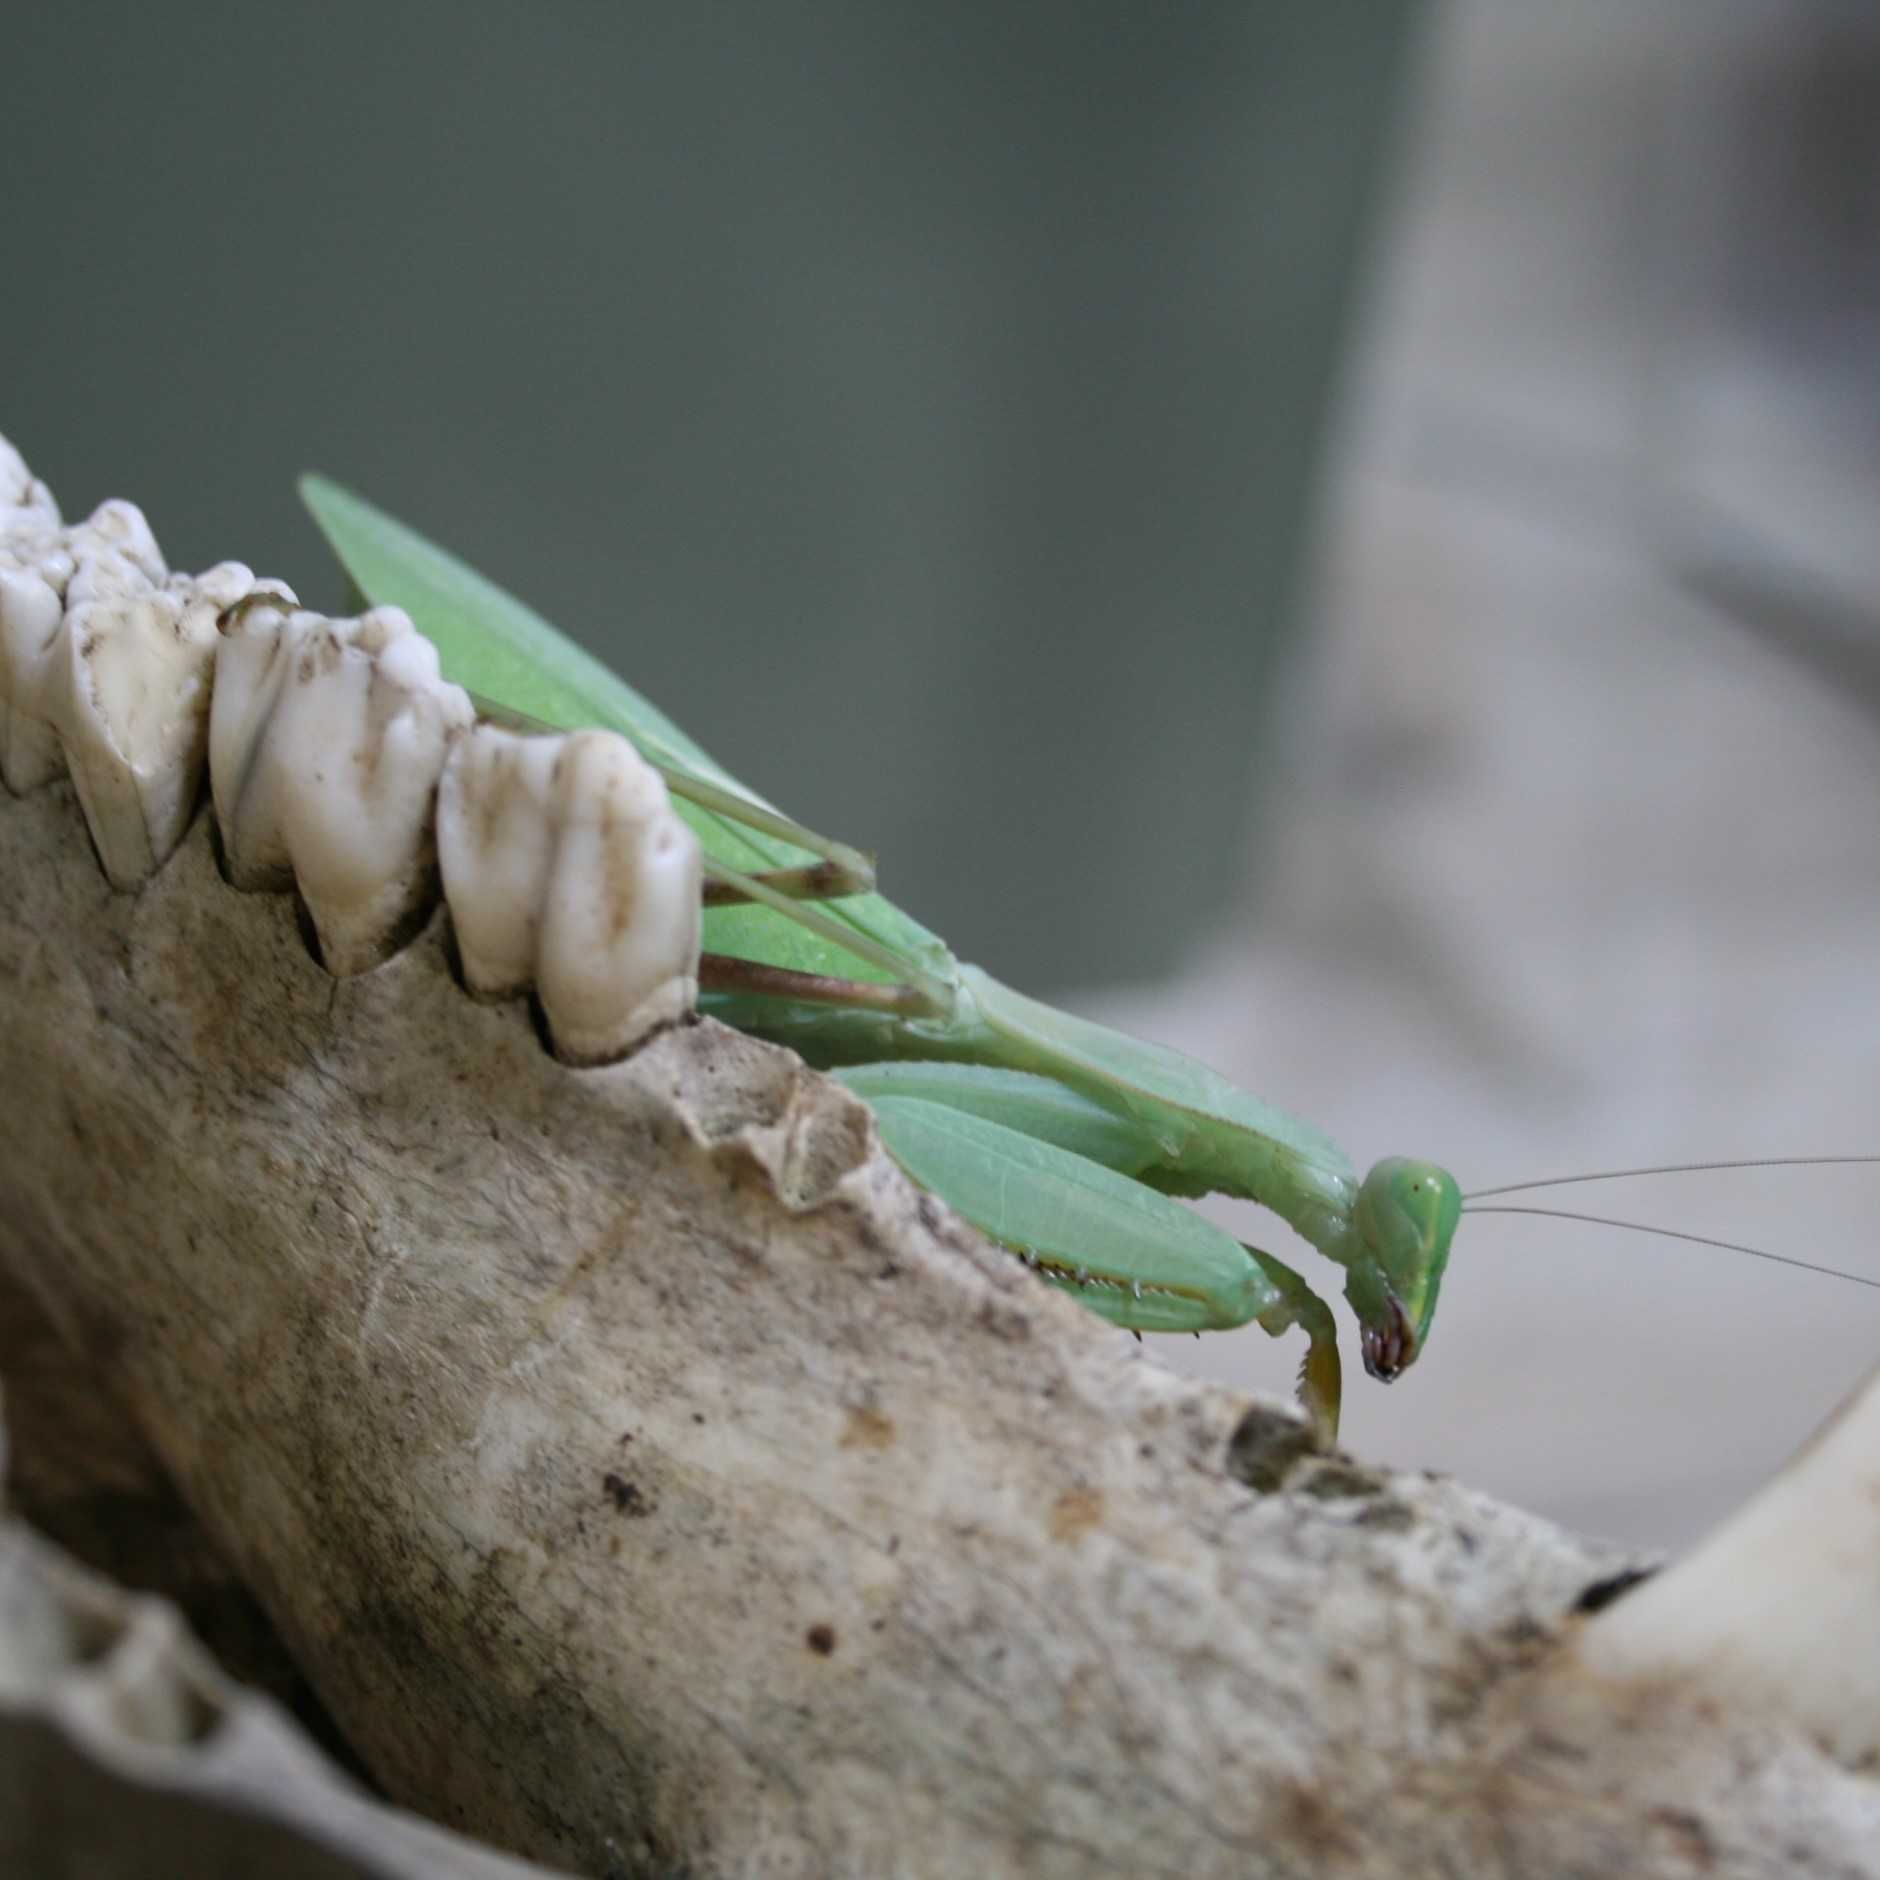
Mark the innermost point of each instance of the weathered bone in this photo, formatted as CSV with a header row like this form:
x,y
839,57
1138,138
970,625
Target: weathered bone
x,y
651,1479
326,741
566,868
124,1751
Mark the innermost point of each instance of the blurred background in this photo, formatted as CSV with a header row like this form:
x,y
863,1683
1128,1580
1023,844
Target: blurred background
x,y
1338,535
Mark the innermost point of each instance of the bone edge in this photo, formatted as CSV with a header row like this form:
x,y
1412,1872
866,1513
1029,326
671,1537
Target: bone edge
x,y
1778,1609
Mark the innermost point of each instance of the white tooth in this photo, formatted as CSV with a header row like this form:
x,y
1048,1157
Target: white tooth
x,y
326,738
27,511
30,611
566,866
112,553
46,574
14,475
33,570
127,686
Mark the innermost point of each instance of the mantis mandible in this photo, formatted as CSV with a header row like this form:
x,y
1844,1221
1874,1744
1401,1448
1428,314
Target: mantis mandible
x,y
1061,1139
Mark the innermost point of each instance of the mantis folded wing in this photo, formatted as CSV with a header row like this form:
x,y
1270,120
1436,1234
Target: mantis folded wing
x,y
1056,1136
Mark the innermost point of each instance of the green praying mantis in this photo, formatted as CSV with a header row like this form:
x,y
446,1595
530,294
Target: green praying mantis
x,y
1065,1141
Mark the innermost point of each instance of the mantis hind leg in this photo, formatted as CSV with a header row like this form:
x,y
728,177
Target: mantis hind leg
x,y
815,881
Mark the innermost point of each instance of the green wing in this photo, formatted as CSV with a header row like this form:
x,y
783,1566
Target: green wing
x,y
1120,1248
496,646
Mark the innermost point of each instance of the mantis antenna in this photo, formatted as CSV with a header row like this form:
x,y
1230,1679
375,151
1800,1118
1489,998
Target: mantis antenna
x,y
1678,1168
1672,1233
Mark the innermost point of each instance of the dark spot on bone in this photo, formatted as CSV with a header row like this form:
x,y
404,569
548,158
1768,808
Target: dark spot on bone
x,y
1266,1447
1309,1821
1603,1592
866,1428
1387,1516
1340,1481
1005,1320
1075,1513
821,1639
1687,1837
625,1495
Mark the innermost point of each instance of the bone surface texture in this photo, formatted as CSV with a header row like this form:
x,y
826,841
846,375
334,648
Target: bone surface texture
x,y
652,1481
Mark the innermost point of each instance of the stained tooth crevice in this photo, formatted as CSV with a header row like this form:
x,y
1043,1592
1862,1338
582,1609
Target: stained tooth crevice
x,y
326,740
566,868
128,686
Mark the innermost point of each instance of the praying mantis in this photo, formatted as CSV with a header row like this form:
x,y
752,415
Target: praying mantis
x,y
1065,1141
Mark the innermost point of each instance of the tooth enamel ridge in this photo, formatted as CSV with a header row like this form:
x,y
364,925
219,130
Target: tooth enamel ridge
x,y
26,506
566,868
326,741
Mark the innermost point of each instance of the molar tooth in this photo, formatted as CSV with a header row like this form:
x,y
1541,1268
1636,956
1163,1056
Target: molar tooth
x,y
30,612
14,475
112,553
128,690
27,511
45,574
32,578
326,738
566,866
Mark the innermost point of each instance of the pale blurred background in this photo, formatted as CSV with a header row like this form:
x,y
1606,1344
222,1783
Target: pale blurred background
x,y
1339,533
1578,860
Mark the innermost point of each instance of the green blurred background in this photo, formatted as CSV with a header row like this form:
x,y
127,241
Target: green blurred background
x,y
923,403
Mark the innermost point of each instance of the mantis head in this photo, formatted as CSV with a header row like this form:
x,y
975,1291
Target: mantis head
x,y
1405,1217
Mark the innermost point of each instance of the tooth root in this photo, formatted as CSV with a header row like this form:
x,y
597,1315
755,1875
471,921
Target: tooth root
x,y
326,739
128,690
566,866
